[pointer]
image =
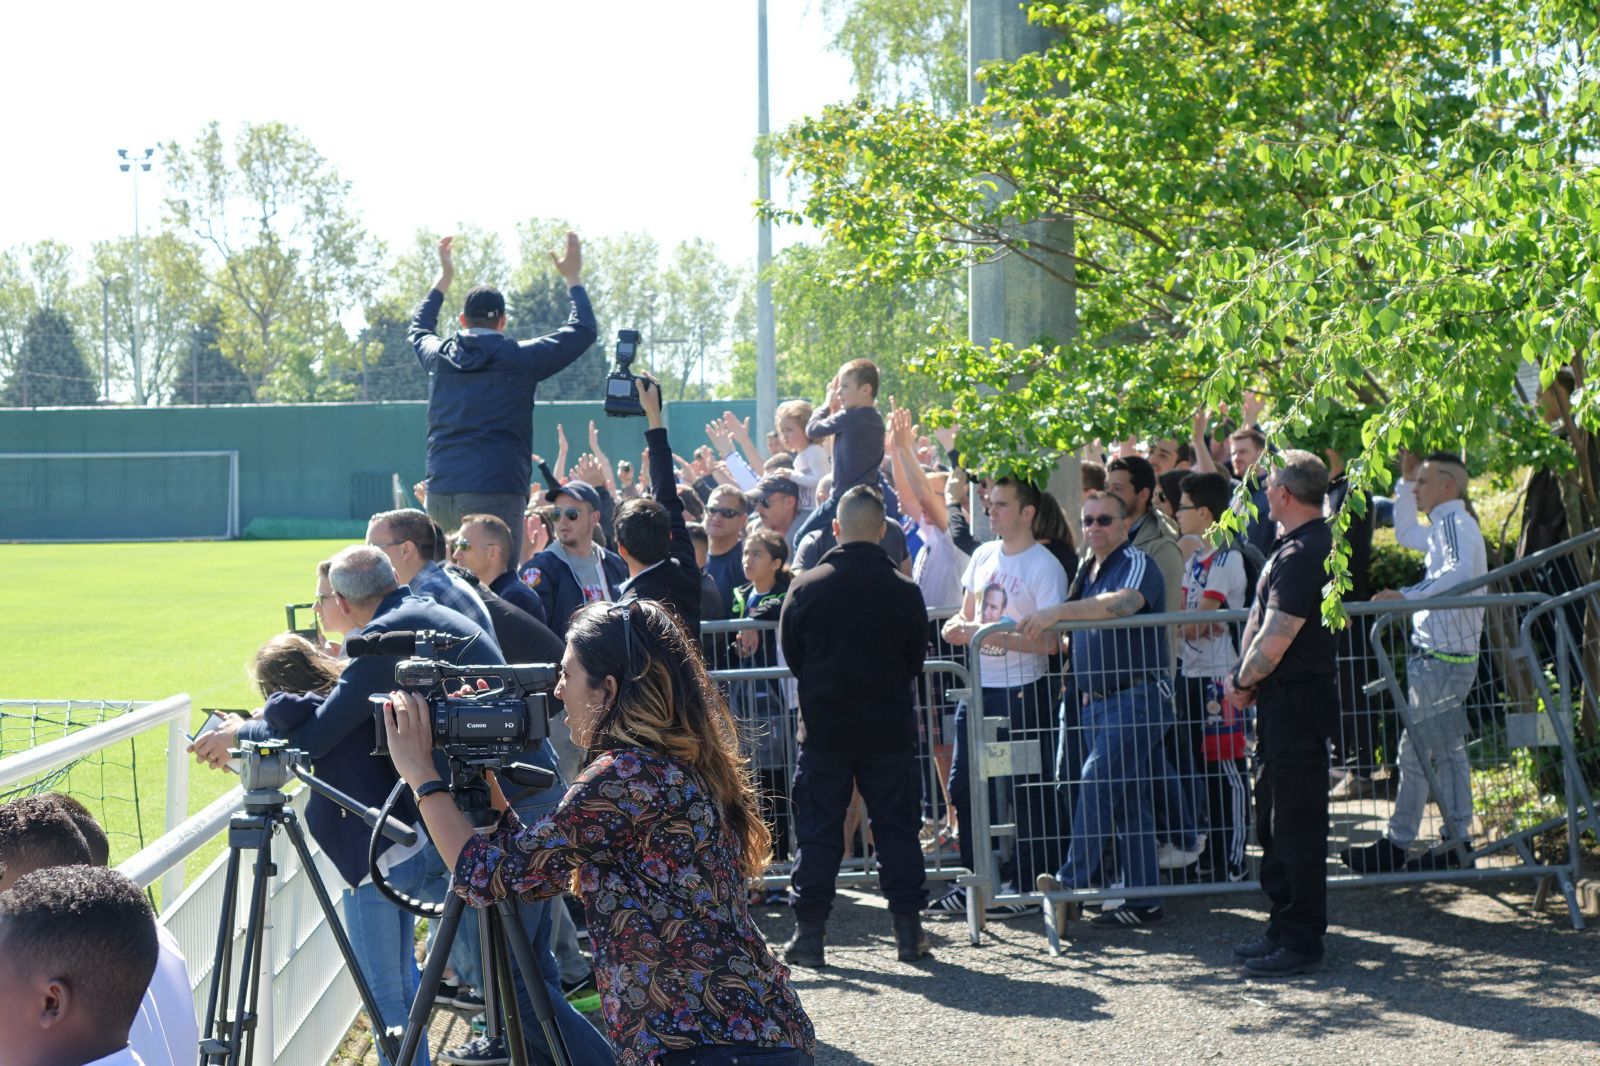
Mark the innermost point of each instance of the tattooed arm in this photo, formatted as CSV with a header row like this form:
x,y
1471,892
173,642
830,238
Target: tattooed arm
x,y
1118,604
1264,649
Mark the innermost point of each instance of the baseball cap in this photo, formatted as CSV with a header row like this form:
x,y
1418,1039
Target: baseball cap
x,y
776,483
578,490
484,301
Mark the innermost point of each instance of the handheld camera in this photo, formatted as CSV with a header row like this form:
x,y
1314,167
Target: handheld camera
x,y
622,388
493,724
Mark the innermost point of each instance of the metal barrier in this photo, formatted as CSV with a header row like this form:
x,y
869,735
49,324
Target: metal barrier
x,y
1131,780
761,693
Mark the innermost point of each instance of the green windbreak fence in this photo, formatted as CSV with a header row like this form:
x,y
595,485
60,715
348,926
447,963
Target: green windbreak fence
x,y
178,472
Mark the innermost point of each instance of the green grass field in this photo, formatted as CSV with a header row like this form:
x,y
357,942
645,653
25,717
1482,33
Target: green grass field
x,y
141,622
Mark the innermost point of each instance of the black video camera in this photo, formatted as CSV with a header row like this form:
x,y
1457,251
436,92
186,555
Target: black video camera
x,y
491,725
622,388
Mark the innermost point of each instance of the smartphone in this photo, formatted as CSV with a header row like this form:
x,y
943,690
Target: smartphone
x,y
214,718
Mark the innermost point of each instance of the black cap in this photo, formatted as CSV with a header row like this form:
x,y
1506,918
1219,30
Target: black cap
x,y
777,483
484,302
578,490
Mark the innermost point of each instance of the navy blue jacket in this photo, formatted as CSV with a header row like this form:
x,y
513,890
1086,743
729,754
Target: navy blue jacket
x,y
338,734
509,587
480,396
551,577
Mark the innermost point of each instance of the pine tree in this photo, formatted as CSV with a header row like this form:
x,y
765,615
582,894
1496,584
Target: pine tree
x,y
50,369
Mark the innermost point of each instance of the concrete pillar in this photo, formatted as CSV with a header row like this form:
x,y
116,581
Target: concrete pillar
x,y
1009,298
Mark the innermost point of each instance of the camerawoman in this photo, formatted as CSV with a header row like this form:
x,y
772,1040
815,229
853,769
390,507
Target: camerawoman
x,y
481,386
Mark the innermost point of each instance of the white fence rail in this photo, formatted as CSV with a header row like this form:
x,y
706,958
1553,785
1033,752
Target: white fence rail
x,y
311,1000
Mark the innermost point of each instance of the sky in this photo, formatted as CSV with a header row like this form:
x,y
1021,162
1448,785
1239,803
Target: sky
x,y
626,115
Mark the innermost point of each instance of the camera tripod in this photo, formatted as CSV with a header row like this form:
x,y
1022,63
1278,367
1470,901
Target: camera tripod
x,y
503,938
264,768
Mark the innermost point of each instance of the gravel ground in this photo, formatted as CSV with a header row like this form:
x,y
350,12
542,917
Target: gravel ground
x,y
1442,974
1439,974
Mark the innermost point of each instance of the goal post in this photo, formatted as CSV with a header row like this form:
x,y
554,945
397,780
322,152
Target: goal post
x,y
82,497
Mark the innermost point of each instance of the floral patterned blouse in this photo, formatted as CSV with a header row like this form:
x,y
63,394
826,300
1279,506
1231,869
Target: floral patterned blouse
x,y
678,961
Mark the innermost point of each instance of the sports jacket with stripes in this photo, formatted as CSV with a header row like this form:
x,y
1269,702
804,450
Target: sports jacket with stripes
x,y
1455,554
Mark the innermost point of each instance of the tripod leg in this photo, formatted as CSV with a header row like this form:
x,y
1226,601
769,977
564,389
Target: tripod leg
x,y
490,976
296,834
221,960
498,963
532,979
432,971
244,1026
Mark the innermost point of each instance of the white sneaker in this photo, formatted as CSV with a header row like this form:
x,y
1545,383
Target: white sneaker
x,y
1170,857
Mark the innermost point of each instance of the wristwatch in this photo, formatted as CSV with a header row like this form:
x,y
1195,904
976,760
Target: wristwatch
x,y
428,788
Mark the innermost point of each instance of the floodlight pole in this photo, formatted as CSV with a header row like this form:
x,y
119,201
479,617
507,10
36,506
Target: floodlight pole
x,y
105,334
766,339
133,164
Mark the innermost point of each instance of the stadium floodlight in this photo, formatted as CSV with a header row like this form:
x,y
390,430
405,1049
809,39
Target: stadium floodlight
x,y
134,164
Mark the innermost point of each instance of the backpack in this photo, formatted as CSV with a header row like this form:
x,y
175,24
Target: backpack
x,y
1254,563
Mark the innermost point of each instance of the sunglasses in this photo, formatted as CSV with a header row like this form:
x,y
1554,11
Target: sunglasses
x,y
571,514
1097,520
762,503
724,512
462,544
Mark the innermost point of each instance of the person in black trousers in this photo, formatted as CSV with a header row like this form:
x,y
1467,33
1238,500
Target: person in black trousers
x,y
854,631
1287,670
652,537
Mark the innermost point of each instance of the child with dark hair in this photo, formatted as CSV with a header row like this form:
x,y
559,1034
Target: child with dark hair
x,y
763,708
851,416
35,835
77,949
93,835
166,1029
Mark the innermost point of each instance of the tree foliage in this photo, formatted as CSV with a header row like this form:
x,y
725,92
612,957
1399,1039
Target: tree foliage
x,y
50,369
1343,207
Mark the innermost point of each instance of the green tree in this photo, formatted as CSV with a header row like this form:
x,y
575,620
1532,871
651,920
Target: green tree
x,y
904,50
1191,148
50,370
171,297
290,258
697,294
207,376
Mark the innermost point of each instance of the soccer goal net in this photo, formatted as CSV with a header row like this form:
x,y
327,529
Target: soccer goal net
x,y
119,496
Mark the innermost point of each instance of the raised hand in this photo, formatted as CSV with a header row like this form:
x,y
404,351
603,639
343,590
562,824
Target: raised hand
x,y
445,259
594,438
717,434
570,266
946,435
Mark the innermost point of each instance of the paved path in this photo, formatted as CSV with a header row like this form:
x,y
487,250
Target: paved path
x,y
1433,975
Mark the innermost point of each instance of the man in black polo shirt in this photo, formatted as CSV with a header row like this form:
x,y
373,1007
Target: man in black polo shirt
x,y
1123,695
855,632
1287,670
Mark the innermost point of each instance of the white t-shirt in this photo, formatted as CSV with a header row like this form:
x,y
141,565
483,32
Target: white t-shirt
x,y
1211,574
809,466
938,567
1013,586
165,1029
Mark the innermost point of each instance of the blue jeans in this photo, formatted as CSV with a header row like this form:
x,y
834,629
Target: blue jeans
x,y
586,1046
736,1055
382,937
1029,718
1114,798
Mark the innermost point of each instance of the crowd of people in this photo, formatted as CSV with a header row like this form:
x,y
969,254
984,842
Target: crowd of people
x,y
849,529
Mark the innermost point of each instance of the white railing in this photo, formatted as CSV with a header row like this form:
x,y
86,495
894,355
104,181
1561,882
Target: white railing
x,y
173,712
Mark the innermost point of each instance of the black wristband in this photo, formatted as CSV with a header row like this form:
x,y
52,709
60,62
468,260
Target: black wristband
x,y
429,788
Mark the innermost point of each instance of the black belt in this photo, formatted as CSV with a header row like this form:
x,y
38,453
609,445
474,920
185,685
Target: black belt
x,y
1145,678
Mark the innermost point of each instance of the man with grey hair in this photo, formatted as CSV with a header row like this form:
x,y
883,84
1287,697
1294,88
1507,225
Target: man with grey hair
x,y
1286,669
1441,670
339,737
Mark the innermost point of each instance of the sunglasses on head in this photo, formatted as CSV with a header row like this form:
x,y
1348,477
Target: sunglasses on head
x,y
1098,520
724,512
571,514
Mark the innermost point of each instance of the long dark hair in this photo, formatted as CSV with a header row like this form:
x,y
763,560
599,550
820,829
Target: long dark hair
x,y
1050,523
289,663
666,703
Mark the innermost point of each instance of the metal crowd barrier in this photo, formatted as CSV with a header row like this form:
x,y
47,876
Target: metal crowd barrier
x,y
1167,778
761,693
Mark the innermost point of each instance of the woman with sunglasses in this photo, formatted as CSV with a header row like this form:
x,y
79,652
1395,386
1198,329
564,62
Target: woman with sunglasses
x,y
659,837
